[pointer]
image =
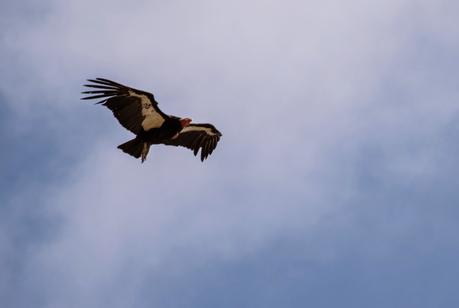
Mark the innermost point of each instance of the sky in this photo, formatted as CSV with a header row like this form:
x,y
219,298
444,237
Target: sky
x,y
334,184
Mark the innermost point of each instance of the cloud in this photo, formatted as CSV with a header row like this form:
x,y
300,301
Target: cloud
x,y
320,106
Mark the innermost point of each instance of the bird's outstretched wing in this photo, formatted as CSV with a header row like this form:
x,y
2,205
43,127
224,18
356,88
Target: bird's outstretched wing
x,y
197,136
134,109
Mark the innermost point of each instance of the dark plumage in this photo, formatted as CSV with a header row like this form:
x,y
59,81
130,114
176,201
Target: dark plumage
x,y
138,112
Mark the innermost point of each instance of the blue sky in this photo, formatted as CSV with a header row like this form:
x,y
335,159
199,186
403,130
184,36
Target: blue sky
x,y
335,182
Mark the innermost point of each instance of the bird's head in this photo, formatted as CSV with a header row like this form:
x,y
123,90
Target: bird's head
x,y
185,122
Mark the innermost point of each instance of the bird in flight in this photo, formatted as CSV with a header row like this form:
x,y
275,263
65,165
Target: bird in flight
x,y
138,112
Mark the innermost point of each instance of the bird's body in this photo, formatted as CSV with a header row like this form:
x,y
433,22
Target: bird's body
x,y
138,112
167,130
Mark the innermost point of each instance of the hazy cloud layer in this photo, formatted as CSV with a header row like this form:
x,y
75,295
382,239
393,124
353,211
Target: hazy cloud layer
x,y
334,183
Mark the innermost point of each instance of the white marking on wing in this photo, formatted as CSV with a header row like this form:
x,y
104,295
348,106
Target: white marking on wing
x,y
208,130
152,118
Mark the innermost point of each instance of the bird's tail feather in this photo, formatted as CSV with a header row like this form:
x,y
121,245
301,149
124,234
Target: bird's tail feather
x,y
135,147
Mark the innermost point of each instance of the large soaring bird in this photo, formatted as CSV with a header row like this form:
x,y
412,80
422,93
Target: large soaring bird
x,y
138,112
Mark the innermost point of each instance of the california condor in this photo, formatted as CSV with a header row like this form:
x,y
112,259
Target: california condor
x,y
138,112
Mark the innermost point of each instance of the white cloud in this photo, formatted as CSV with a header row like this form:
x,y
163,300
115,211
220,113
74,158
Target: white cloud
x,y
294,87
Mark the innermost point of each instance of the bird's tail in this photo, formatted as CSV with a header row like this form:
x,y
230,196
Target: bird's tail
x,y
136,147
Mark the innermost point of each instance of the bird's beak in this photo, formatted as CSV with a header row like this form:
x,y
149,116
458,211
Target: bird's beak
x,y
185,122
